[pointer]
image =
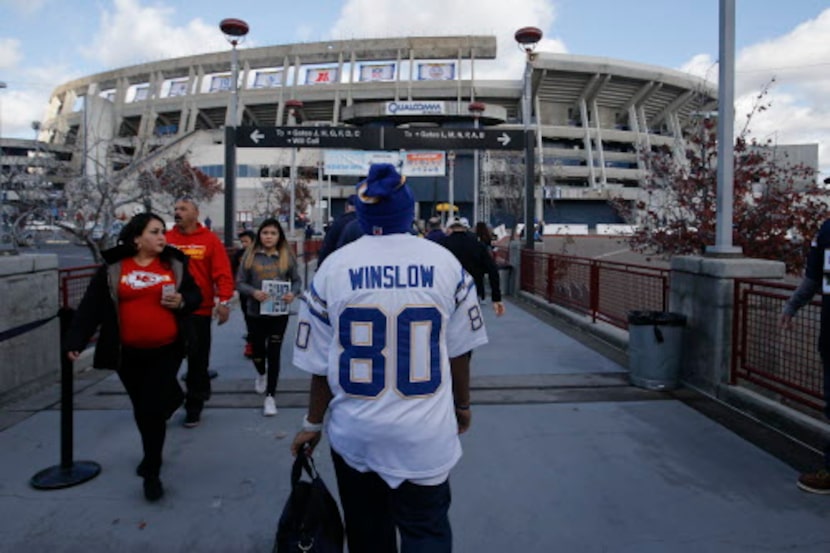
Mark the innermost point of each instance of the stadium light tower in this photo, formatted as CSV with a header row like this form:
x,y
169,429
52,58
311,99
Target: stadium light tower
x,y
527,38
235,31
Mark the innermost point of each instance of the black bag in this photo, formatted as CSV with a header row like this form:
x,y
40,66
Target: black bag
x,y
310,521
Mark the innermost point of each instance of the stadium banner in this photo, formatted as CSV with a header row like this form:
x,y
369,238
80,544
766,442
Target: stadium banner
x,y
141,93
268,79
321,75
355,163
377,72
424,164
177,88
220,83
416,108
436,71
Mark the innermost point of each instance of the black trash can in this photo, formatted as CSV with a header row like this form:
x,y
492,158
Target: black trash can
x,y
655,340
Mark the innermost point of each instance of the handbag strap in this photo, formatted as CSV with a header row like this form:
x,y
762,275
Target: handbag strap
x,y
303,462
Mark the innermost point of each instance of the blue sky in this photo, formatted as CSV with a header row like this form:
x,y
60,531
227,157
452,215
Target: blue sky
x,y
46,42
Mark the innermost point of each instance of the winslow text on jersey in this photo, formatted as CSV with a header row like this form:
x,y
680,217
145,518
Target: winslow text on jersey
x,y
392,276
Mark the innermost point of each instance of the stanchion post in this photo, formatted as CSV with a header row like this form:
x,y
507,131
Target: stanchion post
x,y
68,473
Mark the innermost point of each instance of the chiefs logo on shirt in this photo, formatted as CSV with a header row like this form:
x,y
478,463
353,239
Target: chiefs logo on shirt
x,y
142,279
193,251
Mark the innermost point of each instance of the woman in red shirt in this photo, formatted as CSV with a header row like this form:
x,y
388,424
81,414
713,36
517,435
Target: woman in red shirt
x,y
138,298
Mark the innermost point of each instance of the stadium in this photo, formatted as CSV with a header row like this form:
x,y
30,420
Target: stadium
x,y
590,115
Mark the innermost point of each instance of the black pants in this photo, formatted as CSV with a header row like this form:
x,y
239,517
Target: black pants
x,y
372,511
825,362
149,376
197,331
478,280
243,306
265,335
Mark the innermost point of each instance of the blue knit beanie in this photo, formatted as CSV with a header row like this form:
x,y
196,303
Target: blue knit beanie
x,y
385,204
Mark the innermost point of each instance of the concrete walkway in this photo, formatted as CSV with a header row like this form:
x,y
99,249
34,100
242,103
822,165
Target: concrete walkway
x,y
563,456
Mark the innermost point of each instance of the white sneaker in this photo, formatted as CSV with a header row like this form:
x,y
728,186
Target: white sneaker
x,y
261,383
270,407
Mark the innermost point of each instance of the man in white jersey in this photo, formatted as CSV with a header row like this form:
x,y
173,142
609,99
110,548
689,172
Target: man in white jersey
x,y
383,329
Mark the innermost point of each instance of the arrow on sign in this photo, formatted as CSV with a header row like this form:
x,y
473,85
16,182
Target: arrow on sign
x,y
504,140
256,136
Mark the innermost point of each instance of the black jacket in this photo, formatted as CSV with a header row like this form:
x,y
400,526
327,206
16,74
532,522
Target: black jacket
x,y
476,260
99,306
333,235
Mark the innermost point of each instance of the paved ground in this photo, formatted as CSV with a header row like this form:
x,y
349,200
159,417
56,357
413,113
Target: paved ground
x,y
563,456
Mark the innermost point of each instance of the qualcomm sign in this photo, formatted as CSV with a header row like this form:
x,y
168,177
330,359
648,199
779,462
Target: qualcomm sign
x,y
415,108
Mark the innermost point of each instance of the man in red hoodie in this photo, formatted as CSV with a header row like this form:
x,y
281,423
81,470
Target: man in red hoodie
x,y
211,269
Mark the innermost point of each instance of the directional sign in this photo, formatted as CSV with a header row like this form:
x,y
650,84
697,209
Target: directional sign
x,y
308,137
374,138
452,139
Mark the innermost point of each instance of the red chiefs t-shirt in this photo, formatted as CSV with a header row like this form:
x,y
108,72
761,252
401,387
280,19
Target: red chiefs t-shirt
x,y
145,323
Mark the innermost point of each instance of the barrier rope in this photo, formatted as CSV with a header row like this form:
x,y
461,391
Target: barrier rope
x,y
24,328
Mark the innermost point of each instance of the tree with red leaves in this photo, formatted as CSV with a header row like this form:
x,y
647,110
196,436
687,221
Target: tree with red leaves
x,y
162,185
778,207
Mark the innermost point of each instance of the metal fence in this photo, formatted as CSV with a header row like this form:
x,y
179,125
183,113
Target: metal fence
x,y
73,283
605,290
784,361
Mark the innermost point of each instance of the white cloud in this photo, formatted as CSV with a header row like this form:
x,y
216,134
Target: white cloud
x,y
26,98
384,18
702,65
10,54
133,33
799,63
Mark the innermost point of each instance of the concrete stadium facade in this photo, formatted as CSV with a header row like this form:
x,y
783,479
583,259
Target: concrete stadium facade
x,y
591,116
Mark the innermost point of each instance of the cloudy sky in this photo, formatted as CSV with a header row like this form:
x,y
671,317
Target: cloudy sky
x,y
46,42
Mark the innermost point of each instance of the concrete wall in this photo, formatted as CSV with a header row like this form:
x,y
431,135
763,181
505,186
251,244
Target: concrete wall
x,y
702,289
28,294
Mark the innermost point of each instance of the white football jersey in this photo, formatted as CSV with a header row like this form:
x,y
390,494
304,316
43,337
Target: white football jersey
x,y
381,318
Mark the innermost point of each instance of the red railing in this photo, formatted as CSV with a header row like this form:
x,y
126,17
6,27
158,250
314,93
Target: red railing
x,y
784,361
605,290
72,284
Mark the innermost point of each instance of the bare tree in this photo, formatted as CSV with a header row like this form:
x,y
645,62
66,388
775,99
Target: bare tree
x,y
275,197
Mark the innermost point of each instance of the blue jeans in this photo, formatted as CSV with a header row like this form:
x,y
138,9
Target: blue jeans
x,y
372,511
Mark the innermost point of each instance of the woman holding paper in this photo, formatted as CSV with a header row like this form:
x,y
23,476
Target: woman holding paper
x,y
268,276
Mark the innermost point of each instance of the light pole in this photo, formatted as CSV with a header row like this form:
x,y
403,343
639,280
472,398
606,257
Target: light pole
x,y
476,108
726,134
235,31
451,161
3,86
527,38
6,240
294,117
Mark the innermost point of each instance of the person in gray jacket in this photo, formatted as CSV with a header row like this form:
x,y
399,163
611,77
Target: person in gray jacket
x,y
269,278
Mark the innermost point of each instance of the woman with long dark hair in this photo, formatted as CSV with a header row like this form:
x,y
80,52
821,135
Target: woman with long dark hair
x,y
269,260
138,298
